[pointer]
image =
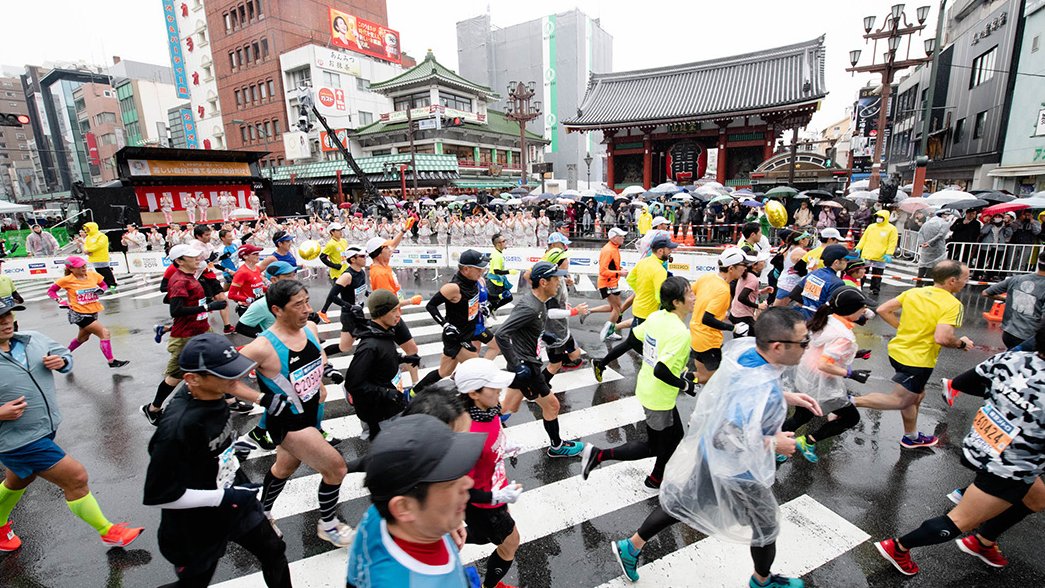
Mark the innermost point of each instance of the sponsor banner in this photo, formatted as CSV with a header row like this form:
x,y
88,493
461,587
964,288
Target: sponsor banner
x,y
327,145
189,126
586,261
331,100
50,268
158,167
181,80
363,36
419,256
147,262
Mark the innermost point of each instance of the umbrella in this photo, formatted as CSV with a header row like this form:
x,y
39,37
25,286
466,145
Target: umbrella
x,y
513,201
505,195
556,207
519,191
863,196
682,197
859,185
464,198
752,203
571,193
428,202
721,198
912,204
798,197
447,198
907,188
830,204
529,198
322,199
564,201
817,193
345,205
1036,201
995,197
604,192
589,193
966,204
782,191
946,196
243,213
621,197
665,188
650,195
632,190
546,196
846,204
713,185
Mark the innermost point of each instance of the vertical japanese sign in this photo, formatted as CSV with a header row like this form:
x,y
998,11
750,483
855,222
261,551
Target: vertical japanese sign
x,y
551,89
181,81
192,140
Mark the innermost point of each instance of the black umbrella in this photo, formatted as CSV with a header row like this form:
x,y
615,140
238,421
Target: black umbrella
x,y
966,204
995,197
519,190
816,194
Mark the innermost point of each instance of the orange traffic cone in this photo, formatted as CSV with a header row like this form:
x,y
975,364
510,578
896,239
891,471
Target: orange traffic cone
x,y
598,226
994,315
849,239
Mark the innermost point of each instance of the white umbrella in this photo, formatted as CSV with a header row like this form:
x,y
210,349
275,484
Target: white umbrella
x,y
571,193
708,191
859,185
632,190
446,198
912,204
243,213
862,195
589,193
665,188
564,200
604,192
713,186
682,197
513,201
907,188
428,202
946,197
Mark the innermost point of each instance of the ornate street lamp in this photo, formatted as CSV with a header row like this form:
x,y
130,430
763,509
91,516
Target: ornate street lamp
x,y
522,110
587,161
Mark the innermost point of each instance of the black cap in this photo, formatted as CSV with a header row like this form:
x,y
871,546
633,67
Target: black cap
x,y
212,354
418,449
847,300
473,258
545,270
661,241
833,253
9,307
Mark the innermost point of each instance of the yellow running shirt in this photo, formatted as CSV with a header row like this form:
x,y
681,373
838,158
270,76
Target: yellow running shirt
x,y
712,296
922,309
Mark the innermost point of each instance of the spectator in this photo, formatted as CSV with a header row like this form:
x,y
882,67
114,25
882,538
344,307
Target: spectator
x,y
915,221
1025,231
998,232
862,217
826,218
40,243
804,215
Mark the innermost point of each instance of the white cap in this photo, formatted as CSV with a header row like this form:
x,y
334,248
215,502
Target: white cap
x,y
732,256
762,255
659,220
478,373
374,244
336,227
184,251
352,251
618,232
832,233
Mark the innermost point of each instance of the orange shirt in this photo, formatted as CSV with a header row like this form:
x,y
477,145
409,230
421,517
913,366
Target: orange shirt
x,y
382,277
609,266
83,294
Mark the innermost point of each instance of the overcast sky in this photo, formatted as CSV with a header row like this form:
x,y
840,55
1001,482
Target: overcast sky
x,y
645,34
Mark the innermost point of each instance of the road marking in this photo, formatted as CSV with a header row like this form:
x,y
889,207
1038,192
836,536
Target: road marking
x,y
423,331
584,284
810,536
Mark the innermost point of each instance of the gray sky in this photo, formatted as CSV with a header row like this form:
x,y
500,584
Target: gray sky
x,y
646,34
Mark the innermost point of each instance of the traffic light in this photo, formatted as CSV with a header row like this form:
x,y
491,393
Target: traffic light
x,y
13,120
452,121
832,152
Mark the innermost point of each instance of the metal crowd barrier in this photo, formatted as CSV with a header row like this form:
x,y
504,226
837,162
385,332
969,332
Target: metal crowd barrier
x,y
994,261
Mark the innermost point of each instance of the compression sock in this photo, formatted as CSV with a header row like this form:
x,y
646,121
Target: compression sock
x,y
332,349
547,375
932,532
328,496
496,569
106,346
8,499
630,451
162,392
552,427
993,528
270,490
89,512
430,378
73,345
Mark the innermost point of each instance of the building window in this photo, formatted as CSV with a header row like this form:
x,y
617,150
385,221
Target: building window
x,y
253,93
239,98
253,133
250,11
233,62
981,125
242,15
276,126
268,129
1034,43
456,102
234,19
107,139
208,72
415,101
299,77
203,38
20,136
105,118
257,51
983,67
257,8
243,133
362,84
331,80
228,21
365,118
264,48
239,57
272,88
261,90
959,129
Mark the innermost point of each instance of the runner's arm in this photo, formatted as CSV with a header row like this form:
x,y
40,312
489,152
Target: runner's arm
x,y
888,312
663,373
745,297
192,498
709,320
179,307
334,295
997,291
323,257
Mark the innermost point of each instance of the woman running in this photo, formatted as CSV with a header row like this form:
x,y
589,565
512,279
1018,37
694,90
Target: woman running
x,y
789,274
82,288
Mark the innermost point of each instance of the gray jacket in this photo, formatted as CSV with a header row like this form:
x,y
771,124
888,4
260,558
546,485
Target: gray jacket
x,y
41,416
933,234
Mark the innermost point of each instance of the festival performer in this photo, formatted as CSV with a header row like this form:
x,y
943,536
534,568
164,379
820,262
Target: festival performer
x,y
202,205
167,208
254,203
189,202
82,289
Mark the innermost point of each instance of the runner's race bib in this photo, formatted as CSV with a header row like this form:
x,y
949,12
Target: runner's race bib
x,y
306,379
203,315
649,351
397,381
993,431
228,465
360,293
473,307
87,295
813,288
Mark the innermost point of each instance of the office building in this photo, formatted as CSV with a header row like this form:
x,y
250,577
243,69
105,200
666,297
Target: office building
x,y
18,176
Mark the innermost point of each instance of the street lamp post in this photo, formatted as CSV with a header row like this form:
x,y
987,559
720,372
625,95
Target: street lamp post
x,y
893,31
587,162
521,110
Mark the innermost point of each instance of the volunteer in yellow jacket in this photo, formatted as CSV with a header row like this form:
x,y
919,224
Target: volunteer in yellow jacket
x,y
927,322
96,246
645,280
877,246
710,310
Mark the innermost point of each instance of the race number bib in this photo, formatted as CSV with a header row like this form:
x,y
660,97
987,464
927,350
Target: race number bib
x,y
813,288
473,307
500,476
306,379
203,315
360,293
87,295
397,381
228,465
258,292
993,431
649,351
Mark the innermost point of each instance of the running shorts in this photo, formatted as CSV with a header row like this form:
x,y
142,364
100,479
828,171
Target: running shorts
x,y
174,347
711,358
1007,489
211,287
607,292
82,320
288,422
33,458
912,378
488,525
561,353
533,388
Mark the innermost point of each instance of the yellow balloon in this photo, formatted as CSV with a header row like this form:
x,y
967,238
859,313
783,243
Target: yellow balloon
x,y
309,249
776,214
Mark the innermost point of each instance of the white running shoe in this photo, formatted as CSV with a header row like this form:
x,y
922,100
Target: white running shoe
x,y
340,536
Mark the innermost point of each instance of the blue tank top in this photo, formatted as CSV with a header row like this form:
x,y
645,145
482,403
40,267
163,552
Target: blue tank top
x,y
302,368
287,257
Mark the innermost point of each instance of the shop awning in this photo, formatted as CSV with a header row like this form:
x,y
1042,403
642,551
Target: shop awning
x,y
485,184
1013,171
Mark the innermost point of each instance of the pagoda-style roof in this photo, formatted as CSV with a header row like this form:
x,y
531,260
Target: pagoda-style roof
x,y
496,124
428,72
780,80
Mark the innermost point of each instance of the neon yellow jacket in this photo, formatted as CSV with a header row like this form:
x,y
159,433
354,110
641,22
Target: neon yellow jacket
x,y
879,239
645,222
96,244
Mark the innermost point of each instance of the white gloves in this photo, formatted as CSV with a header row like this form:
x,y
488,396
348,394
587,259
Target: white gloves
x,y
741,329
509,494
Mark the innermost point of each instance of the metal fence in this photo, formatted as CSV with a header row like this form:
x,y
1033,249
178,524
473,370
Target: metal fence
x,y
994,261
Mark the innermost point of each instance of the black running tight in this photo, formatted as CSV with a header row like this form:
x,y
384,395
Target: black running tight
x,y
848,417
264,544
659,519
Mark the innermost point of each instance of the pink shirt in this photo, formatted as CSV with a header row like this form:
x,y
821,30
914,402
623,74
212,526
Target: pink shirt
x,y
489,472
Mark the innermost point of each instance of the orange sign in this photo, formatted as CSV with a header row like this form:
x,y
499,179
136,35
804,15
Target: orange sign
x,y
158,167
360,35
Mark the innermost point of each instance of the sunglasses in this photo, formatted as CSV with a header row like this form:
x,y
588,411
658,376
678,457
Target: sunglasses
x,y
804,343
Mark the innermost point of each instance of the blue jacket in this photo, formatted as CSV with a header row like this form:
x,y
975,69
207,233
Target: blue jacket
x,y
41,416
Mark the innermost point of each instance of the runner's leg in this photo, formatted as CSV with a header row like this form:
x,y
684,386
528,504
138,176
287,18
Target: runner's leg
x,y
70,475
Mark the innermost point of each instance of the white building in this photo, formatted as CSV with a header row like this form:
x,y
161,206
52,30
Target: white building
x,y
193,68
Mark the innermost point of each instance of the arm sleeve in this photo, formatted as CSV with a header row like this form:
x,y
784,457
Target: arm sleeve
x,y
179,307
326,261
433,307
334,295
195,499
52,292
796,292
560,313
709,320
663,373
745,297
480,496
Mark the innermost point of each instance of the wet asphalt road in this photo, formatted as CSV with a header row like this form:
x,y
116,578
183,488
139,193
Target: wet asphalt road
x,y
862,476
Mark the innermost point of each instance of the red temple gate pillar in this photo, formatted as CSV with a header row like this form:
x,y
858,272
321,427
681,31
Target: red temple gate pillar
x,y
720,171
647,161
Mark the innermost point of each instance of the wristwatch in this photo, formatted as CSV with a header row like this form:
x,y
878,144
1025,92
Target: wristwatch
x,y
961,344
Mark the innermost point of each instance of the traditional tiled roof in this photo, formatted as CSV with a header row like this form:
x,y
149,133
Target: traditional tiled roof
x,y
764,81
496,123
427,72
429,165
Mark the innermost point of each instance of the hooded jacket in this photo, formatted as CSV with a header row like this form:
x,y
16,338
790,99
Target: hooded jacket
x,y
879,238
373,376
96,244
36,384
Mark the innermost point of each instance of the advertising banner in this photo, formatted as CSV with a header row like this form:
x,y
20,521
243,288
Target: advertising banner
x,y
331,100
147,262
181,80
362,36
327,145
160,167
189,126
339,61
51,268
16,240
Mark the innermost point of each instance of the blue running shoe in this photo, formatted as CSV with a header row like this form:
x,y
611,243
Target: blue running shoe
x,y
628,558
157,333
776,581
919,441
781,458
567,449
807,449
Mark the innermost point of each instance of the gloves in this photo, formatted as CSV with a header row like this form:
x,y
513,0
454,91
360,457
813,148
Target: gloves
x,y
741,329
863,354
451,332
274,404
689,385
357,313
888,258
237,497
859,375
508,494
409,224
414,359
856,252
485,310
548,338
334,375
216,305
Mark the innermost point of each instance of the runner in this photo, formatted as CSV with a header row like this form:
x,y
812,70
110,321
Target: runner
x,y
82,289
814,290
332,254
1024,297
659,228
417,475
284,242
792,268
855,270
710,310
383,277
500,288
645,280
745,303
828,237
290,366
212,288
489,521
610,272
1004,448
662,376
348,292
929,317
30,417
190,310
518,339
825,365
227,257
193,473
563,352
736,422
248,284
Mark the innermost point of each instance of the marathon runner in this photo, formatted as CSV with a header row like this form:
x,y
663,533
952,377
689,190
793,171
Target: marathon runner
x,y
284,241
383,277
711,309
212,288
563,352
791,266
30,418
1024,297
332,256
290,368
816,288
229,251
247,283
348,292
82,289
610,272
828,237
500,288
519,338
194,477
662,376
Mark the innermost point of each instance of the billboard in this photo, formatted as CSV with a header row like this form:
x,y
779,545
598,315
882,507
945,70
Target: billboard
x,y
181,81
327,145
336,60
331,100
161,167
362,36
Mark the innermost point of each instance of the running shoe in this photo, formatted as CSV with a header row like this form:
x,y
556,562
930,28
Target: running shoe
x,y
323,317
615,337
991,556
955,495
118,363
919,441
8,540
340,536
229,329
272,521
628,559
590,459
901,560
241,407
597,367
948,392
569,367
505,417
332,440
807,449
606,331
120,535
781,458
566,449
157,333
503,585
152,417
650,485
261,437
776,581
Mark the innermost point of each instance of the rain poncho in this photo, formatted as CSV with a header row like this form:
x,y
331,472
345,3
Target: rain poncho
x,y
719,481
933,235
96,245
879,239
837,342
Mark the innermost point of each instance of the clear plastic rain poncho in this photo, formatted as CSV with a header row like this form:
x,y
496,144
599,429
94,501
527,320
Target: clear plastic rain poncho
x,y
837,342
719,481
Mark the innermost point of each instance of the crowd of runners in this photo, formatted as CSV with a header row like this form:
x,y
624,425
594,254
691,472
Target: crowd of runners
x,y
773,327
